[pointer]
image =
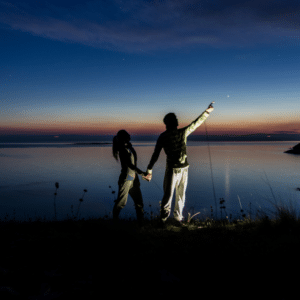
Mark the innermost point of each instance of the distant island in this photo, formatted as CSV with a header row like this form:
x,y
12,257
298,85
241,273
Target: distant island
x,y
294,150
92,143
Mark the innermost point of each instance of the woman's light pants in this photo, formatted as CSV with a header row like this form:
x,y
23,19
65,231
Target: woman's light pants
x,y
175,179
131,187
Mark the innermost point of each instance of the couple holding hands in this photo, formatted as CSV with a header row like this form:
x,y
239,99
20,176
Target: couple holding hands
x,y
173,141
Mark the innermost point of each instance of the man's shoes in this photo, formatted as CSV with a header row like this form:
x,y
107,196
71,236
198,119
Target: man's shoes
x,y
179,224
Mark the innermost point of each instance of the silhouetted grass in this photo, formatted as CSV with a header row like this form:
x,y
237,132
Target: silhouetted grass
x,y
83,257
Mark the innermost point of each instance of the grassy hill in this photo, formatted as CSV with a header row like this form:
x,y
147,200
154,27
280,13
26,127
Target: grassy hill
x,y
92,258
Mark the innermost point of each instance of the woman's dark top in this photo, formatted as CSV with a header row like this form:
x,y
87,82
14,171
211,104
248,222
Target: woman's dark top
x,y
128,160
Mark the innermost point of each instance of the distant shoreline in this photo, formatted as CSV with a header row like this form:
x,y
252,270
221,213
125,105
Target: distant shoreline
x,y
65,138
52,145
92,143
104,143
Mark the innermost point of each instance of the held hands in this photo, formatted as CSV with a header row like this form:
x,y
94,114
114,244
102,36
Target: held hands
x,y
147,176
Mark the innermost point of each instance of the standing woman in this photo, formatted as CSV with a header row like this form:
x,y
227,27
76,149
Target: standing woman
x,y
128,181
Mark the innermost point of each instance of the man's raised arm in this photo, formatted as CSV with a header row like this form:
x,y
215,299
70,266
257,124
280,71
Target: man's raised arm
x,y
195,124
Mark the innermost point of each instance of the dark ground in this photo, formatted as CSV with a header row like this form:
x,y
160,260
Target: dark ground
x,y
89,259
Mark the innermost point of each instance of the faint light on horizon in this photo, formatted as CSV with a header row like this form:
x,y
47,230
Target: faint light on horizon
x,y
56,136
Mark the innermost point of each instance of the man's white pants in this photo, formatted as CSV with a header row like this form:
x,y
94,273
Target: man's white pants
x,y
175,179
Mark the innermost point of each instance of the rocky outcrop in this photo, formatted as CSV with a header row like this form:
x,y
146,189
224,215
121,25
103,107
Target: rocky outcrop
x,y
294,150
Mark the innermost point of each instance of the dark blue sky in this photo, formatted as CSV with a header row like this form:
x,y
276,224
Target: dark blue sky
x,y
94,67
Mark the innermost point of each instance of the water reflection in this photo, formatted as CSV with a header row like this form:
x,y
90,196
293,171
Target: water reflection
x,y
28,176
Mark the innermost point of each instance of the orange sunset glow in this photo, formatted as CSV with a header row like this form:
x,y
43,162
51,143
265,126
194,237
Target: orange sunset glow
x,y
139,128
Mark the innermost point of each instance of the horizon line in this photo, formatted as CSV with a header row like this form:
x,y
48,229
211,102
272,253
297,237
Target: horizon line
x,y
25,138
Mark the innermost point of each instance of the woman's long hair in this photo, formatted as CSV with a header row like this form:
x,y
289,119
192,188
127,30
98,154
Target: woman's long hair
x,y
119,142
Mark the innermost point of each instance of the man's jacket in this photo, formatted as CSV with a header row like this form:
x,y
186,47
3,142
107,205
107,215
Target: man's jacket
x,y
174,144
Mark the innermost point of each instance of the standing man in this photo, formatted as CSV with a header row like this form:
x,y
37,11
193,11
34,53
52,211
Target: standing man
x,y
173,141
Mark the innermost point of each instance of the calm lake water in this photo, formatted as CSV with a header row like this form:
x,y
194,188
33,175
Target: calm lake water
x,y
247,175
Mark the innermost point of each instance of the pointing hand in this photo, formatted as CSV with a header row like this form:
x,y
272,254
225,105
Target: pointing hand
x,y
210,108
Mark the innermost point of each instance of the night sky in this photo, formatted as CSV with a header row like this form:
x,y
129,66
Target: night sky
x,y
94,67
